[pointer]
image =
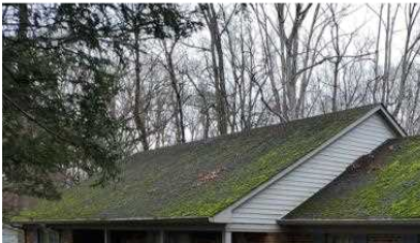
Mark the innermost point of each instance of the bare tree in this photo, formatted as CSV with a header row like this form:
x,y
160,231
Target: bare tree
x,y
411,51
258,64
212,21
139,109
340,49
289,47
269,62
176,86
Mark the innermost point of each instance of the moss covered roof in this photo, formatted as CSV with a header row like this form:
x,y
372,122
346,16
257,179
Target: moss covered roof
x,y
383,185
197,179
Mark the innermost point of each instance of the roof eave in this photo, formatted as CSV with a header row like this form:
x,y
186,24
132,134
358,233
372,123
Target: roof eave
x,y
350,222
142,220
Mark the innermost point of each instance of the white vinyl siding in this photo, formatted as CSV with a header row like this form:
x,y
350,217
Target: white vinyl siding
x,y
294,188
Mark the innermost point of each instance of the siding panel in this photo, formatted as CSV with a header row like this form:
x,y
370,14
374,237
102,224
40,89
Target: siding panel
x,y
294,188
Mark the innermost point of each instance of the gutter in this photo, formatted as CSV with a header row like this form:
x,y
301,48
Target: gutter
x,y
138,220
350,222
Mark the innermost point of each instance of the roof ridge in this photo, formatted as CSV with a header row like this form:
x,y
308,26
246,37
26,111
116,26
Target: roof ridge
x,y
234,134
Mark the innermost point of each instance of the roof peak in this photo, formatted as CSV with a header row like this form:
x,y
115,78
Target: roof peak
x,y
238,133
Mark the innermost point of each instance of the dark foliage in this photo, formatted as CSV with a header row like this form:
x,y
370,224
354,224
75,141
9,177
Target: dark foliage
x,y
59,82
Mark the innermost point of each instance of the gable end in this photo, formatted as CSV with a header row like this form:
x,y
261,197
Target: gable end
x,y
290,188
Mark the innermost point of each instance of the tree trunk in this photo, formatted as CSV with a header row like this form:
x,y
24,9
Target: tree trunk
x,y
289,45
138,111
406,60
377,77
176,88
218,66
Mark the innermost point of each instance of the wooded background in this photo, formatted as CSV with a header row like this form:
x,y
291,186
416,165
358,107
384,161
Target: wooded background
x,y
101,81
259,64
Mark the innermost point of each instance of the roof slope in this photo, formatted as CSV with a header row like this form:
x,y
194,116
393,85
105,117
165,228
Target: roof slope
x,y
383,185
197,179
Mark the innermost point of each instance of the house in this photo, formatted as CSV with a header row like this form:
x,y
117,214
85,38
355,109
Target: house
x,y
344,177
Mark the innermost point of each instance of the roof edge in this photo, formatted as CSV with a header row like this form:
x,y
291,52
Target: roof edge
x,y
349,222
117,220
392,121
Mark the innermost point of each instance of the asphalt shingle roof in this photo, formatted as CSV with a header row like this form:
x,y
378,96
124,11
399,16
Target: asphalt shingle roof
x,y
383,185
197,179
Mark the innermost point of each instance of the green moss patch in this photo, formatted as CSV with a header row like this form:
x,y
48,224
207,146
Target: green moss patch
x,y
196,179
387,186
